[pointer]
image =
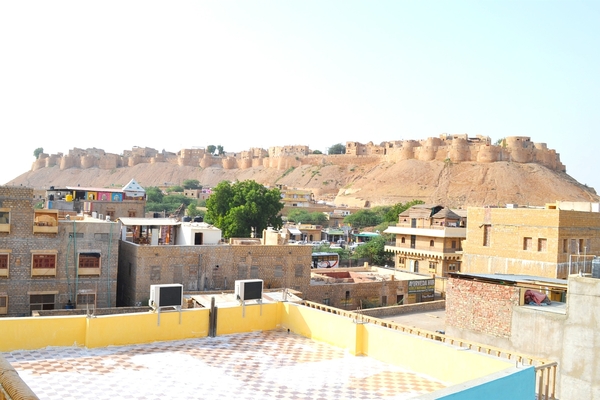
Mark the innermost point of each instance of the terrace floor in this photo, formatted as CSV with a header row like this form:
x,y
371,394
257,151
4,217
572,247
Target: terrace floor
x,y
259,365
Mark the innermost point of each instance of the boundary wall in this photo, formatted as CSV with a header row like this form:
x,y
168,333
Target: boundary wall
x,y
446,361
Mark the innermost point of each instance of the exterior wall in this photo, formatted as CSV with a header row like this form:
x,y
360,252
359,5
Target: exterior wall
x,y
569,235
455,148
481,307
21,242
351,296
209,267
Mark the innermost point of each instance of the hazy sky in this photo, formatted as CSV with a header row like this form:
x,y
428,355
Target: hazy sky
x,y
241,74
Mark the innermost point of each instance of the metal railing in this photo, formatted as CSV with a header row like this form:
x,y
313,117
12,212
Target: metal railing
x,y
545,370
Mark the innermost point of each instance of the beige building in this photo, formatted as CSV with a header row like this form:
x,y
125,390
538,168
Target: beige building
x,y
428,240
549,242
48,263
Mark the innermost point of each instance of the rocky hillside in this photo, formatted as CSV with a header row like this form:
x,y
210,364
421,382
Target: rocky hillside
x,y
379,183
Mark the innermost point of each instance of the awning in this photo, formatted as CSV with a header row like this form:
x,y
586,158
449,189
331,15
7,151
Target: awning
x,y
148,221
294,231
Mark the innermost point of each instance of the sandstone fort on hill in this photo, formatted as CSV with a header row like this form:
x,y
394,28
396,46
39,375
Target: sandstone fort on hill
x,y
453,170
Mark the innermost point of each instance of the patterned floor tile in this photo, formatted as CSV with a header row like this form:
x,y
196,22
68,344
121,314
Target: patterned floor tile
x,y
261,365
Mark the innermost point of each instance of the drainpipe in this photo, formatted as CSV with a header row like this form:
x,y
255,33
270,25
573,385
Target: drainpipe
x,y
75,260
108,269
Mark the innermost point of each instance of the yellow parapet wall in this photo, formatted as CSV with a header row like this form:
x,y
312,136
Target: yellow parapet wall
x,y
123,329
339,328
447,363
250,318
36,333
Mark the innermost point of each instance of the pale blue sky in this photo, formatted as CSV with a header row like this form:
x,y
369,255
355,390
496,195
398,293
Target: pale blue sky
x,y
173,75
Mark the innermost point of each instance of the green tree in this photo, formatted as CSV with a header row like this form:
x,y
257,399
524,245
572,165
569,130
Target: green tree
x,y
37,152
363,218
193,211
314,218
210,149
176,189
220,150
374,251
192,184
317,152
337,149
399,208
240,208
154,195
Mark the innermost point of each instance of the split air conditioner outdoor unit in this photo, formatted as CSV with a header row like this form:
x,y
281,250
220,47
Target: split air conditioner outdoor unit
x,y
249,289
168,295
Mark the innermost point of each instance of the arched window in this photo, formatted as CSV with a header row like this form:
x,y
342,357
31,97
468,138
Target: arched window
x,y
403,240
431,243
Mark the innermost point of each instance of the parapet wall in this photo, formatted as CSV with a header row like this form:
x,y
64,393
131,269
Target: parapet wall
x,y
448,148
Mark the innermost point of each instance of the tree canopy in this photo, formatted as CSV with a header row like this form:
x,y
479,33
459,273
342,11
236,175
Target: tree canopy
x,y
37,152
314,218
243,207
337,149
374,251
364,218
210,149
399,208
192,184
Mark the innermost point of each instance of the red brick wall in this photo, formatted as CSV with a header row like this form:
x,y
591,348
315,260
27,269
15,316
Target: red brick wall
x,y
480,307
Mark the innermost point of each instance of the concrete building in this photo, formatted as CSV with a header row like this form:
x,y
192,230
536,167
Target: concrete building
x,y
490,309
49,263
428,240
129,201
549,242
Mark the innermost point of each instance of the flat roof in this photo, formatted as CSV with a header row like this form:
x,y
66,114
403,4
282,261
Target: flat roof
x,y
514,278
256,365
148,221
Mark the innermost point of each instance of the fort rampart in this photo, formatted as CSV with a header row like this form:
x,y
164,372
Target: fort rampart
x,y
446,148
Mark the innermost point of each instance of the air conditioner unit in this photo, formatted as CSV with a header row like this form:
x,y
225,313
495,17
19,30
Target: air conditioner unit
x,y
108,217
249,289
168,295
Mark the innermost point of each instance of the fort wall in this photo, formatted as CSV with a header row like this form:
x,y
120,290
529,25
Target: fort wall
x,y
455,148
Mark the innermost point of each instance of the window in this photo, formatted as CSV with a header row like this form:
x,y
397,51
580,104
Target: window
x,y
4,265
581,247
487,232
5,220
130,213
89,264
432,266
413,241
565,245
86,300
101,237
3,303
155,273
326,301
110,213
45,221
527,243
43,264
416,266
384,300
242,271
542,244
299,271
41,302
431,243
452,267
278,271
254,272
403,240
454,244
401,260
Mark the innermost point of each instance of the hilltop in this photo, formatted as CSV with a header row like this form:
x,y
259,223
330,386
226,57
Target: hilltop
x,y
373,181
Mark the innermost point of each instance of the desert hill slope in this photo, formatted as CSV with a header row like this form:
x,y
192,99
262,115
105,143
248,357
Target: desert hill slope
x,y
369,184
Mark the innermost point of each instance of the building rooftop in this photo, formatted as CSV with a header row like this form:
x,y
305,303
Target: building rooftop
x,y
258,365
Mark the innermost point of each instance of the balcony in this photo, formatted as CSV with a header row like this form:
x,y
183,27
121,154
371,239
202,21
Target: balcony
x,y
431,231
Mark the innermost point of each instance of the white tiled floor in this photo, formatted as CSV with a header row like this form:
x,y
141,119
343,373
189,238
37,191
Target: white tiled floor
x,y
261,365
